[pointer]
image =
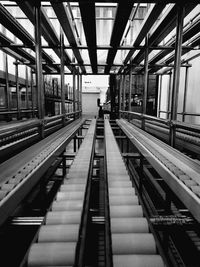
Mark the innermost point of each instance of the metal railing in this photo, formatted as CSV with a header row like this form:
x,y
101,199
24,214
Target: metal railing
x,y
176,125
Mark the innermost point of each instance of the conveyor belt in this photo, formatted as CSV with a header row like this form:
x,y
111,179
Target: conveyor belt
x,y
132,244
180,172
58,241
22,172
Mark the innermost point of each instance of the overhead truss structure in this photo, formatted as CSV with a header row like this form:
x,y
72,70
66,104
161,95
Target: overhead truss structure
x,y
99,37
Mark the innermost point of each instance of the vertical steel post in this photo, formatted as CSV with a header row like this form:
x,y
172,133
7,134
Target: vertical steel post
x,y
169,98
32,97
78,89
146,75
81,93
185,93
159,96
38,52
39,78
62,77
74,92
123,92
112,96
130,90
27,86
177,66
17,88
119,94
7,87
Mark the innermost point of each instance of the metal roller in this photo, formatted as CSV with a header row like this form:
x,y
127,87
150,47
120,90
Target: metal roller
x,y
120,183
79,173
121,177
117,171
52,254
67,205
74,195
75,181
63,217
137,261
121,191
125,200
59,233
137,243
129,225
72,187
126,211
79,176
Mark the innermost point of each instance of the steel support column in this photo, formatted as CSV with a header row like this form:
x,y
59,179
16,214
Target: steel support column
x,y
32,97
119,94
17,89
62,77
146,76
123,93
74,91
169,96
185,93
78,89
159,96
7,87
27,86
81,93
38,52
177,66
130,89
112,96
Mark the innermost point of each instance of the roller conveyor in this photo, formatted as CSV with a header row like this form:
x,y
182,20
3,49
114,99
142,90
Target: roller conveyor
x,y
132,244
20,173
178,171
185,139
59,238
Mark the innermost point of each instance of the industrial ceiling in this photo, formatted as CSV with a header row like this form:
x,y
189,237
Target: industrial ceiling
x,y
99,37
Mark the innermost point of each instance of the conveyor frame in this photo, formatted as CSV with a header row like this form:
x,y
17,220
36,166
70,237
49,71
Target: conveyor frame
x,y
189,198
30,178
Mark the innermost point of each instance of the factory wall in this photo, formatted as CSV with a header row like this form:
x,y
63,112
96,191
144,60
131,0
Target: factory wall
x,y
89,104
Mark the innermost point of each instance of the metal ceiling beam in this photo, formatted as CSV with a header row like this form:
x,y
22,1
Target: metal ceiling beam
x,y
157,67
89,25
122,15
18,53
151,17
5,40
65,22
190,31
10,23
166,24
48,31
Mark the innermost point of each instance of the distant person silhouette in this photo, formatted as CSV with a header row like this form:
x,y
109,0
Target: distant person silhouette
x,y
100,112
